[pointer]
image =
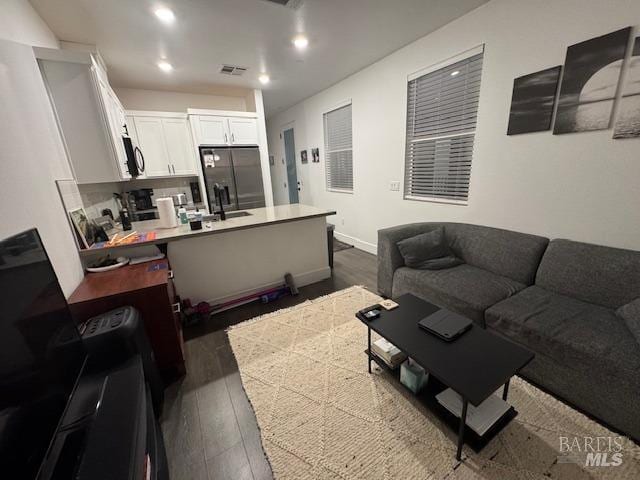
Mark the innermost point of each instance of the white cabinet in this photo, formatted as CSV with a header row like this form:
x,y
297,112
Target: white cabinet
x,y
243,131
213,130
222,130
179,148
116,121
166,145
88,115
152,144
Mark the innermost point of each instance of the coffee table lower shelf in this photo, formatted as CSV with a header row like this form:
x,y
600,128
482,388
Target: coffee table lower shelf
x,y
427,396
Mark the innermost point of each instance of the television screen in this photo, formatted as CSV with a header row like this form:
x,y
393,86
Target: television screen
x,y
41,355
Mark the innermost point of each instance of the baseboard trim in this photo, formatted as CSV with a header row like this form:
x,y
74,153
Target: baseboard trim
x,y
356,242
300,279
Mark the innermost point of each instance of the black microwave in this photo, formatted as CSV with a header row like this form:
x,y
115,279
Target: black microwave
x,y
135,158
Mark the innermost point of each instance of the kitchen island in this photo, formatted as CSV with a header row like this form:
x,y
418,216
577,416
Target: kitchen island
x,y
230,259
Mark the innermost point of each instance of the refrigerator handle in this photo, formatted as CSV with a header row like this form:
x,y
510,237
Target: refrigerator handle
x,y
225,138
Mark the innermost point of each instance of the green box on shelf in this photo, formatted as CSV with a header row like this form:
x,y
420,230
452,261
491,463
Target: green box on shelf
x,y
412,375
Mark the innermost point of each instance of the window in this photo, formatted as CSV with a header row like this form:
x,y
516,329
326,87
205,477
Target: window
x,y
338,153
442,106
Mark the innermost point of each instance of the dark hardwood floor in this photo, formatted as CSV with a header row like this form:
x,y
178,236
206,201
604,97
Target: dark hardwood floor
x,y
209,426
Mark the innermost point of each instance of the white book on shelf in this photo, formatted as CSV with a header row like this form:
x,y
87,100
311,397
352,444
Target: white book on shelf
x,y
388,351
479,418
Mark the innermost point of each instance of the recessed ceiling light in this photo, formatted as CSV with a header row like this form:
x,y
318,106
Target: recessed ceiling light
x,y
165,15
301,42
264,79
165,66
455,72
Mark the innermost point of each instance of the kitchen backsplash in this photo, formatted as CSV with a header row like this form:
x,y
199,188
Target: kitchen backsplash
x,y
98,196
163,187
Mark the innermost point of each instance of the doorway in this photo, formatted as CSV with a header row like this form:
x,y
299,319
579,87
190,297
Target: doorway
x,y
290,161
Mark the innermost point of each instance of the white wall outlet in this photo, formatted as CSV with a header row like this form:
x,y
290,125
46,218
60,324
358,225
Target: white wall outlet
x,y
394,186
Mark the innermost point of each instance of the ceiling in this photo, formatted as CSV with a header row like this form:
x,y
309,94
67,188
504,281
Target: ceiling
x,y
344,37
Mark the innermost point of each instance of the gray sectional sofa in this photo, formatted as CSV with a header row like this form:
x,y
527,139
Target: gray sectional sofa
x,y
559,298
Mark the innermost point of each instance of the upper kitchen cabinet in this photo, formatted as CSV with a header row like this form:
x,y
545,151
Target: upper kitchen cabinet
x,y
117,124
243,131
152,144
228,128
89,115
179,146
165,142
210,130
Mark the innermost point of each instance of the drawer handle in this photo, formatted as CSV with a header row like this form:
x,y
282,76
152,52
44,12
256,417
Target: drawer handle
x,y
170,275
176,307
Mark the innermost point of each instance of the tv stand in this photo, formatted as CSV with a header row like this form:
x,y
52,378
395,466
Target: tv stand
x,y
108,430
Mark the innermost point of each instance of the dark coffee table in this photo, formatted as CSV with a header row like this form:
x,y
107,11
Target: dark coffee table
x,y
474,365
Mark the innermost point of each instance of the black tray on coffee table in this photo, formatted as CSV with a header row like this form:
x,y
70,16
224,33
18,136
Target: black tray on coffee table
x,y
474,365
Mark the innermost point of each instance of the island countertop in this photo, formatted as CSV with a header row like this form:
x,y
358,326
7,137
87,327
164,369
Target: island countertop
x,y
258,217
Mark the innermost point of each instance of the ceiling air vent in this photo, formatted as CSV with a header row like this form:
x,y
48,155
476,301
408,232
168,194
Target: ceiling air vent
x,y
292,4
233,70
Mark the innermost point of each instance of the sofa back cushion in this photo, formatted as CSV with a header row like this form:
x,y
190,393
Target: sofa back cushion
x,y
511,254
592,273
424,246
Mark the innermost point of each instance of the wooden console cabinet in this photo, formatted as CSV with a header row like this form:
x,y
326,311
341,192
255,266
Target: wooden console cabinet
x,y
147,287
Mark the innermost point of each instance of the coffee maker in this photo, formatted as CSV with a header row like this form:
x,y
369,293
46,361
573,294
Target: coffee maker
x,y
141,205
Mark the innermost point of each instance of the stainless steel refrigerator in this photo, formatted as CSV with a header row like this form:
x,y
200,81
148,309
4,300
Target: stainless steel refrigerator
x,y
238,171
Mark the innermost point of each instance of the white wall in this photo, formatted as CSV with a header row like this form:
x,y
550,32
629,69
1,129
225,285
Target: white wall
x,y
160,101
19,22
31,150
583,186
264,147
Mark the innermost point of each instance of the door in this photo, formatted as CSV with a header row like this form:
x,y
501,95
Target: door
x,y
218,168
290,159
178,145
248,176
151,138
243,131
212,130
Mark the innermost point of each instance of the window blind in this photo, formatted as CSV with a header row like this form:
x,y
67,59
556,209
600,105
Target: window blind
x,y
338,151
442,107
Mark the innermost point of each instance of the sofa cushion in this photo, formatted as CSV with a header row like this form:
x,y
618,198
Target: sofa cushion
x,y
504,252
575,334
592,273
427,251
465,289
630,313
441,263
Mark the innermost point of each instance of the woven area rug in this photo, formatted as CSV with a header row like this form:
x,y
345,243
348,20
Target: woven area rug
x,y
322,416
